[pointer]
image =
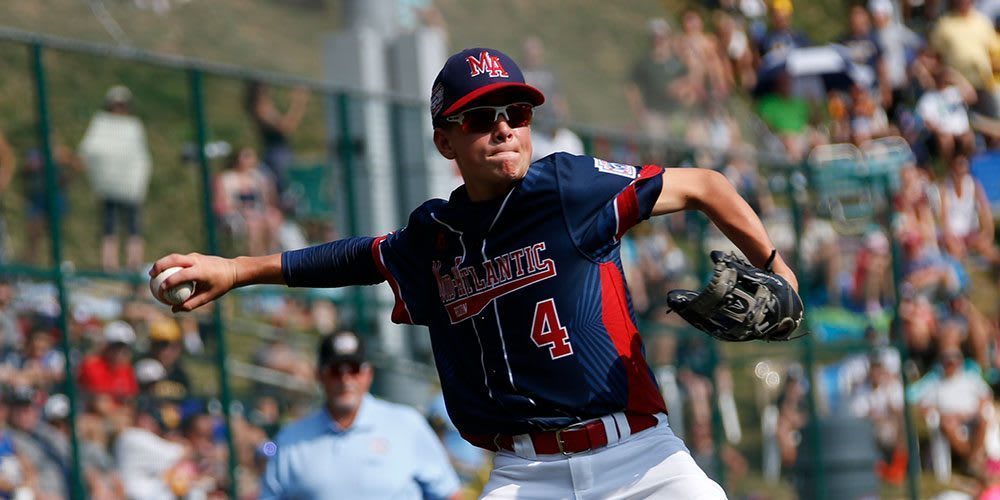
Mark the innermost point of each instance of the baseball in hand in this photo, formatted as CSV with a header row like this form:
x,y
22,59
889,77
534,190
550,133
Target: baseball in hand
x,y
174,296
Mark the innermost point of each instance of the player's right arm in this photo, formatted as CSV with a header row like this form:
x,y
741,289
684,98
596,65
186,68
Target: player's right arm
x,y
710,192
338,263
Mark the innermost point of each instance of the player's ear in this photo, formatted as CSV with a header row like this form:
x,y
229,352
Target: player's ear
x,y
443,143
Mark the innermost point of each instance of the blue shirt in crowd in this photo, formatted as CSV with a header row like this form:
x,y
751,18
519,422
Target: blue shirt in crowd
x,y
389,452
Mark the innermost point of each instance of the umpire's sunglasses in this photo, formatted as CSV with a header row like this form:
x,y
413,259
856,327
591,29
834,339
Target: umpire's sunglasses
x,y
480,120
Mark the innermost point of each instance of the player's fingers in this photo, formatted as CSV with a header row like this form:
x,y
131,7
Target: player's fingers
x,y
194,273
197,300
172,260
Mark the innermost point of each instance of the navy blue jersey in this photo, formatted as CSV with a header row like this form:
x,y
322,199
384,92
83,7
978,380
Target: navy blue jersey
x,y
531,323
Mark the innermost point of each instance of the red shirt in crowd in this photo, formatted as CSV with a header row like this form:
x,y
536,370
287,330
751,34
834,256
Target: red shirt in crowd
x,y
97,376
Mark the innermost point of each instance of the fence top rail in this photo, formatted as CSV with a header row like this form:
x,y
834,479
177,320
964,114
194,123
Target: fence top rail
x,y
169,61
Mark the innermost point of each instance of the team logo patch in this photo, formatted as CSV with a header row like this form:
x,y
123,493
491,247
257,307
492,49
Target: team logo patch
x,y
614,168
486,63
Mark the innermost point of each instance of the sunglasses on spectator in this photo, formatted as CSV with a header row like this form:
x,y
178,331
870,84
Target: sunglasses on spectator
x,y
481,119
344,368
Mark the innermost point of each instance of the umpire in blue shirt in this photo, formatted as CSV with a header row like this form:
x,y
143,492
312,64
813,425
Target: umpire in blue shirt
x,y
356,446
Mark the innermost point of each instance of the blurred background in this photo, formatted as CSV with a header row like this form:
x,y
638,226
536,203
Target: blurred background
x,y
864,135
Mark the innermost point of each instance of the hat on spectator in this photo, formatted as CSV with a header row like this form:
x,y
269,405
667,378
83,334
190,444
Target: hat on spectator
x,y
880,7
21,396
782,6
56,407
149,370
119,94
658,26
119,332
473,73
164,330
341,347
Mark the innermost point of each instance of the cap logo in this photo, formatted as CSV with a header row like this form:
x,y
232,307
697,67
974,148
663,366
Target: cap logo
x,y
486,64
437,99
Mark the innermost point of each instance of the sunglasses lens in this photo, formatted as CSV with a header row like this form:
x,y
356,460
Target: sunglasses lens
x,y
480,121
518,115
349,367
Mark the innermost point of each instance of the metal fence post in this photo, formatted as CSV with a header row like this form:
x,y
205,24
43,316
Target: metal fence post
x,y
346,151
55,229
201,137
808,343
896,337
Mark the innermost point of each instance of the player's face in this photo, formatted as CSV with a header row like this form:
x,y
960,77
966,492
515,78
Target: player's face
x,y
489,159
344,385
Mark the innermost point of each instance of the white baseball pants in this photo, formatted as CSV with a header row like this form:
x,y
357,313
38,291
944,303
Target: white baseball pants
x,y
651,464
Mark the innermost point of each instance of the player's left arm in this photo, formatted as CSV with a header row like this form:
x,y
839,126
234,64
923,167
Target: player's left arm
x,y
710,192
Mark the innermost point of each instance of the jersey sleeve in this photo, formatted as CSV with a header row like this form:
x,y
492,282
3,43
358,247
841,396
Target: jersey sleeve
x,y
400,257
602,200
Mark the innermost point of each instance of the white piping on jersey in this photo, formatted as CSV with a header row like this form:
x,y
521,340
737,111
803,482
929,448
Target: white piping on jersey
x,y
482,352
456,231
497,216
618,221
482,360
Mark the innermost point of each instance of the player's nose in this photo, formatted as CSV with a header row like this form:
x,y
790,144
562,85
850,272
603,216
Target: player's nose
x,y
502,130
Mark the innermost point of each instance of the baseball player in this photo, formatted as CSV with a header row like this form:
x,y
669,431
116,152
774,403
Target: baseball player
x,y
518,278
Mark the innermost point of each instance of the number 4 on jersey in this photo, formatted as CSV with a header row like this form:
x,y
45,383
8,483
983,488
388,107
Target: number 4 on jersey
x,y
546,331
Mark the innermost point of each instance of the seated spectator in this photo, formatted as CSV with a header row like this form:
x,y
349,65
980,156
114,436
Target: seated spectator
x,y
162,367
961,398
246,202
880,401
39,365
967,220
868,119
17,475
108,373
275,129
743,174
792,416
145,456
208,455
943,109
46,449
898,43
871,288
821,259
700,52
100,472
865,51
787,116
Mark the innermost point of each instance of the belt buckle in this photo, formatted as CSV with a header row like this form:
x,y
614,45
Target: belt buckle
x,y
559,440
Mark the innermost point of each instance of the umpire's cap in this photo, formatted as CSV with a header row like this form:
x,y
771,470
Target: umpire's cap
x,y
475,72
341,347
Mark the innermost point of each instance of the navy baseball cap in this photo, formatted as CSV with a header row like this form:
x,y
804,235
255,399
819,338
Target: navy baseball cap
x,y
341,347
473,73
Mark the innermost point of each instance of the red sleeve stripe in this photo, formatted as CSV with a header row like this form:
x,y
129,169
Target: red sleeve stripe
x,y
627,210
400,312
649,171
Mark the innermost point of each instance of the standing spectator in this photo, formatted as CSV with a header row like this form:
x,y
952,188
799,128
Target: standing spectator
x,y
964,38
356,445
865,50
943,110
100,471
700,52
780,37
899,44
8,163
966,222
660,86
247,201
36,192
551,135
109,371
117,157
788,116
275,129
39,365
734,47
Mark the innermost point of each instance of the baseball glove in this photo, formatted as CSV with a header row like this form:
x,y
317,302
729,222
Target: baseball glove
x,y
741,302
